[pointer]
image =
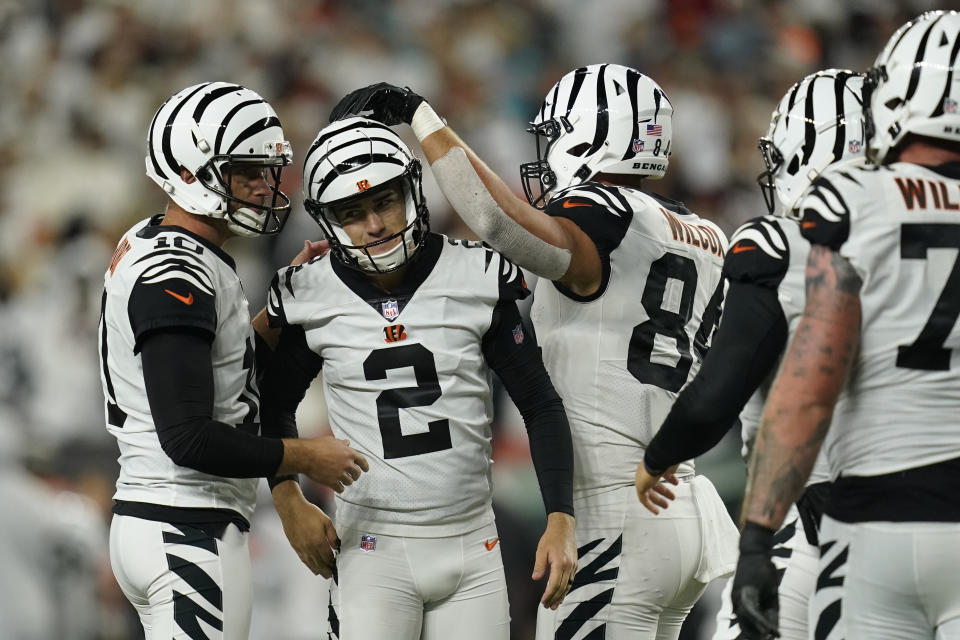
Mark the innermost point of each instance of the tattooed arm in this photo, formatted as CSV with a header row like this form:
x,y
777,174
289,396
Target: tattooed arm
x,y
801,402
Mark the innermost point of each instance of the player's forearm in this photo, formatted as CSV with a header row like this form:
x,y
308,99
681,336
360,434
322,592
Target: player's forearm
x,y
787,446
438,144
286,497
800,405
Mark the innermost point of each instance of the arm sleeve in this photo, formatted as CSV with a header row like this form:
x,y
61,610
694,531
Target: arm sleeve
x,y
178,375
292,368
746,347
511,350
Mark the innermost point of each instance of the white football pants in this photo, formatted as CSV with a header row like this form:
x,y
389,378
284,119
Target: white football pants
x,y
888,581
421,588
183,582
797,560
639,574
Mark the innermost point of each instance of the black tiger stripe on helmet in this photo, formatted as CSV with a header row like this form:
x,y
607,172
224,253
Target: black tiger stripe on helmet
x,y
602,118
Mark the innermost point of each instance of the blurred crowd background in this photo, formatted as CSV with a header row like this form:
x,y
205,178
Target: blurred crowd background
x,y
80,81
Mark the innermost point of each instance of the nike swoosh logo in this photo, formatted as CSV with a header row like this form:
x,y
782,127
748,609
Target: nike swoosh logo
x,y
740,248
490,544
808,225
187,300
569,203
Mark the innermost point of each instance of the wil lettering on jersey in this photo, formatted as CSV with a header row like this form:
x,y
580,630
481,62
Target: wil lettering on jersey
x,y
394,333
915,192
697,235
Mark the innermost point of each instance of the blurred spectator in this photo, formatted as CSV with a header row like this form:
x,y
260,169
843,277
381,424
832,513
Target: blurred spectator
x,y
82,77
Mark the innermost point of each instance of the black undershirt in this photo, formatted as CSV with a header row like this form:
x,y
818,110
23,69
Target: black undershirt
x,y
178,376
749,341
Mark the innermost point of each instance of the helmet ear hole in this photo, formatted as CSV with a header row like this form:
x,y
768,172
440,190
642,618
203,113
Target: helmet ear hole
x,y
579,150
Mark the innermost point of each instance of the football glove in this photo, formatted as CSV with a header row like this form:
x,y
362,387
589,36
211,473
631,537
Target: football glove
x,y
385,103
755,585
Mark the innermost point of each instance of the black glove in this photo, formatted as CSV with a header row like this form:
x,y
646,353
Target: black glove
x,y
386,103
755,585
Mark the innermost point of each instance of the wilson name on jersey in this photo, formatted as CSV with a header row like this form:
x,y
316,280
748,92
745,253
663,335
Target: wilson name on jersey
x,y
899,226
406,381
166,277
620,357
770,252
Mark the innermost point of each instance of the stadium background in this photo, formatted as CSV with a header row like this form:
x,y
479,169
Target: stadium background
x,y
80,81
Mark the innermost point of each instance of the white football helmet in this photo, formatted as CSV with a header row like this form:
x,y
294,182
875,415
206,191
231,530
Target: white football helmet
x,y
208,129
604,118
914,85
818,122
353,158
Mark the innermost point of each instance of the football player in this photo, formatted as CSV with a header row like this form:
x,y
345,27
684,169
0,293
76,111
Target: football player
x,y
818,123
178,368
406,327
874,350
629,295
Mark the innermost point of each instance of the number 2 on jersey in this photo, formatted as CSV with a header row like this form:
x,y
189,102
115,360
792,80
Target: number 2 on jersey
x,y
389,402
671,324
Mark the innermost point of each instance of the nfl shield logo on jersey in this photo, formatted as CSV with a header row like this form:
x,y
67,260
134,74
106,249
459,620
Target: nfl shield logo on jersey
x,y
518,334
368,542
390,309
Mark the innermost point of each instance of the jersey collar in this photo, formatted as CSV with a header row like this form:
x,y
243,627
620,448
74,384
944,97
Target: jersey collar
x,y
417,272
153,229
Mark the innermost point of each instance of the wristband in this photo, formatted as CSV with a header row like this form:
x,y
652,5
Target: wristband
x,y
425,121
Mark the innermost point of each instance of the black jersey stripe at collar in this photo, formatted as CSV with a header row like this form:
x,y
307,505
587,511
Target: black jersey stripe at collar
x,y
154,228
418,270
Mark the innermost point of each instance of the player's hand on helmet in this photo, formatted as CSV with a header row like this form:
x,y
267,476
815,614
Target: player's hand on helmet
x,y
385,103
755,600
308,529
556,558
327,460
654,494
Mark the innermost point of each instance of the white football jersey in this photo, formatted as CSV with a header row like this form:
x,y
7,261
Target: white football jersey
x,y
620,357
899,226
166,276
406,381
770,251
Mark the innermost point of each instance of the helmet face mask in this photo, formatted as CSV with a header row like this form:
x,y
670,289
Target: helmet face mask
x,y
357,159
604,118
773,161
269,215
207,129
914,85
817,123
537,177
